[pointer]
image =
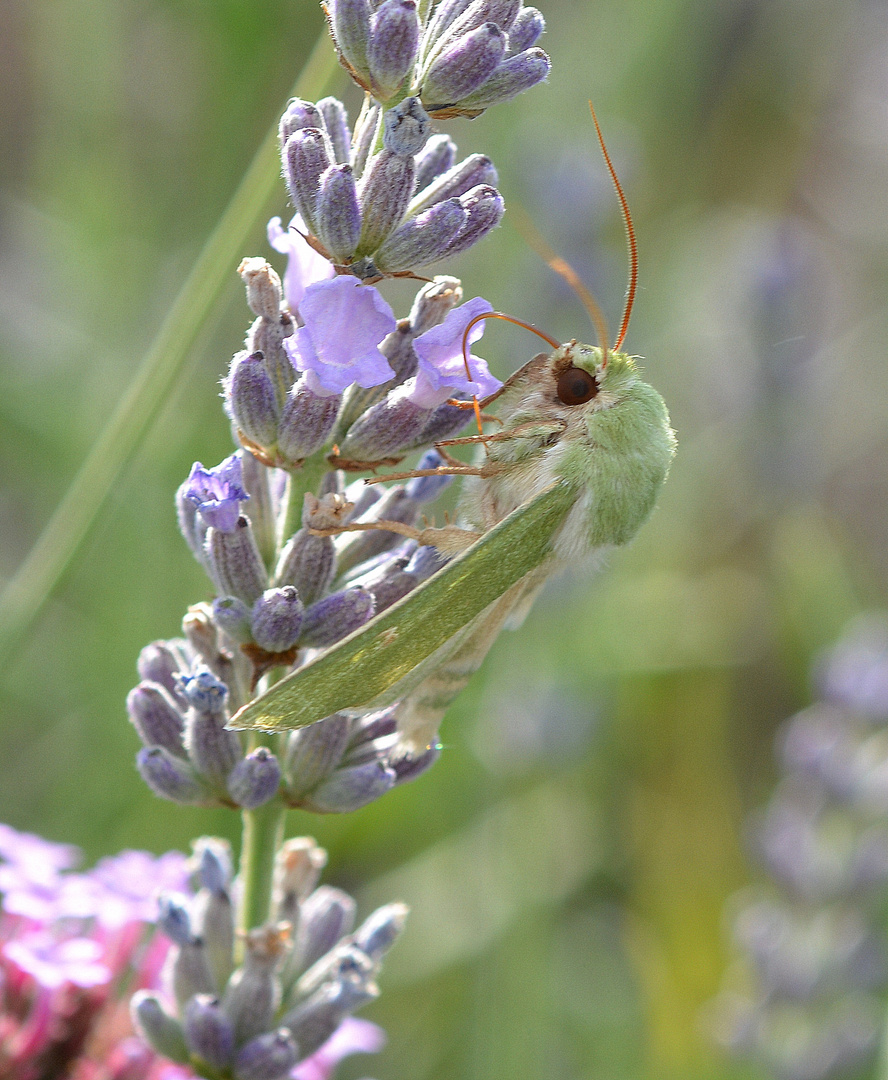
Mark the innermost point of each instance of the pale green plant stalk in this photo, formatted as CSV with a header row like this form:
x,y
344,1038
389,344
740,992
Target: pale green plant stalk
x,y
31,586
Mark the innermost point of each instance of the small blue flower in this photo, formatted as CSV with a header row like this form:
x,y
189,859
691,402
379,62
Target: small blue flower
x,y
345,322
304,265
442,370
217,493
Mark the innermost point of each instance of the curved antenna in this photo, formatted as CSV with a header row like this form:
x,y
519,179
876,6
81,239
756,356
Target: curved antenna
x,y
630,236
563,268
465,351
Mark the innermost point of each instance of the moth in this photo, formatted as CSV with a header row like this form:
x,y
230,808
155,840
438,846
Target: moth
x,y
575,468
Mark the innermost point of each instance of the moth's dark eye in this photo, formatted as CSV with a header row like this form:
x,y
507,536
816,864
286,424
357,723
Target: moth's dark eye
x,y
576,386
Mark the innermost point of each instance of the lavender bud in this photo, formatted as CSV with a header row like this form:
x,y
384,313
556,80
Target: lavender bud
x,y
156,717
298,115
436,157
500,12
233,617
446,13
444,422
315,1020
173,918
255,780
513,76
162,1032
525,31
277,619
365,136
297,867
381,930
250,399
394,43
265,340
409,767
391,588
337,615
350,789
423,238
325,918
309,563
386,428
264,291
237,565
336,123
168,776
426,561
313,753
307,158
208,1031
339,215
160,662
191,524
385,193
214,921
432,303
269,1057
406,127
485,209
187,971
469,173
213,750
351,29
373,726
203,691
463,66
306,422
253,993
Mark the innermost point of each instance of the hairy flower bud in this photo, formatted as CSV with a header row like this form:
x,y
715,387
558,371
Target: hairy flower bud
x,y
232,616
525,31
334,617
385,193
253,993
255,780
237,565
336,122
463,66
306,421
339,215
162,1032
469,173
406,127
268,1057
277,619
513,76
250,398
364,136
297,867
156,717
160,662
484,207
325,918
307,156
350,789
351,28
168,776
298,115
208,1031
313,753
423,238
307,562
393,45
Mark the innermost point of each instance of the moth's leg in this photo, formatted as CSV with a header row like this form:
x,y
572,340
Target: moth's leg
x,y
450,540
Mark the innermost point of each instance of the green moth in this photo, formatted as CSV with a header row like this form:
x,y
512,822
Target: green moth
x,y
584,448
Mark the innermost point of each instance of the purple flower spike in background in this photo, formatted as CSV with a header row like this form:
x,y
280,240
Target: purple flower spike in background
x,y
304,265
217,493
441,366
345,322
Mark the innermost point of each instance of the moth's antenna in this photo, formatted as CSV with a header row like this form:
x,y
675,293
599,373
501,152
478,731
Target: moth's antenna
x,y
465,351
531,234
630,236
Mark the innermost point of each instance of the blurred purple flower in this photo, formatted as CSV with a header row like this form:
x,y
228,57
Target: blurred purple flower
x,y
442,370
304,265
345,322
217,493
351,1037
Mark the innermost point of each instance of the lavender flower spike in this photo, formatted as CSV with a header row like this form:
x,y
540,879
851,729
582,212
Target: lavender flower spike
x,y
217,493
339,343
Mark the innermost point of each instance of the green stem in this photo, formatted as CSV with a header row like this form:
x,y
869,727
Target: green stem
x,y
263,833
306,478
31,586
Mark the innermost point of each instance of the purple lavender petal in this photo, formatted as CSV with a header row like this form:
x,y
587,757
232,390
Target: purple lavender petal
x,y
339,343
26,850
217,493
304,265
52,963
353,1036
441,367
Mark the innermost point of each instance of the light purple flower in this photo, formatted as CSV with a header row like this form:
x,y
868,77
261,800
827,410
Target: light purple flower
x,y
442,370
304,265
345,322
26,850
351,1037
217,493
52,962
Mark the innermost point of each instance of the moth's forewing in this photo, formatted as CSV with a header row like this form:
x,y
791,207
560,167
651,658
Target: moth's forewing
x,y
363,667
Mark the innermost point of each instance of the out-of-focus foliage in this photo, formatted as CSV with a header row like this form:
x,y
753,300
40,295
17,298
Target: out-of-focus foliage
x,y
569,857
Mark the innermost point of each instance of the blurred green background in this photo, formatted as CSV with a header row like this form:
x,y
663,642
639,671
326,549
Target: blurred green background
x,y
569,857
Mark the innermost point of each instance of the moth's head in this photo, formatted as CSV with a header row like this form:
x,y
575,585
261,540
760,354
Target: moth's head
x,y
582,376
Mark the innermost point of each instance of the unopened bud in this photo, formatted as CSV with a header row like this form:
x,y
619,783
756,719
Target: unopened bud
x,y
526,30
385,193
305,423
336,122
233,617
325,918
255,779
484,207
208,1031
464,66
424,238
156,717
330,619
513,76
307,562
298,115
339,215
469,173
237,565
162,1032
253,993
381,930
168,776
307,157
268,1057
277,619
406,126
350,789
160,662
393,45
351,29
313,753
250,398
